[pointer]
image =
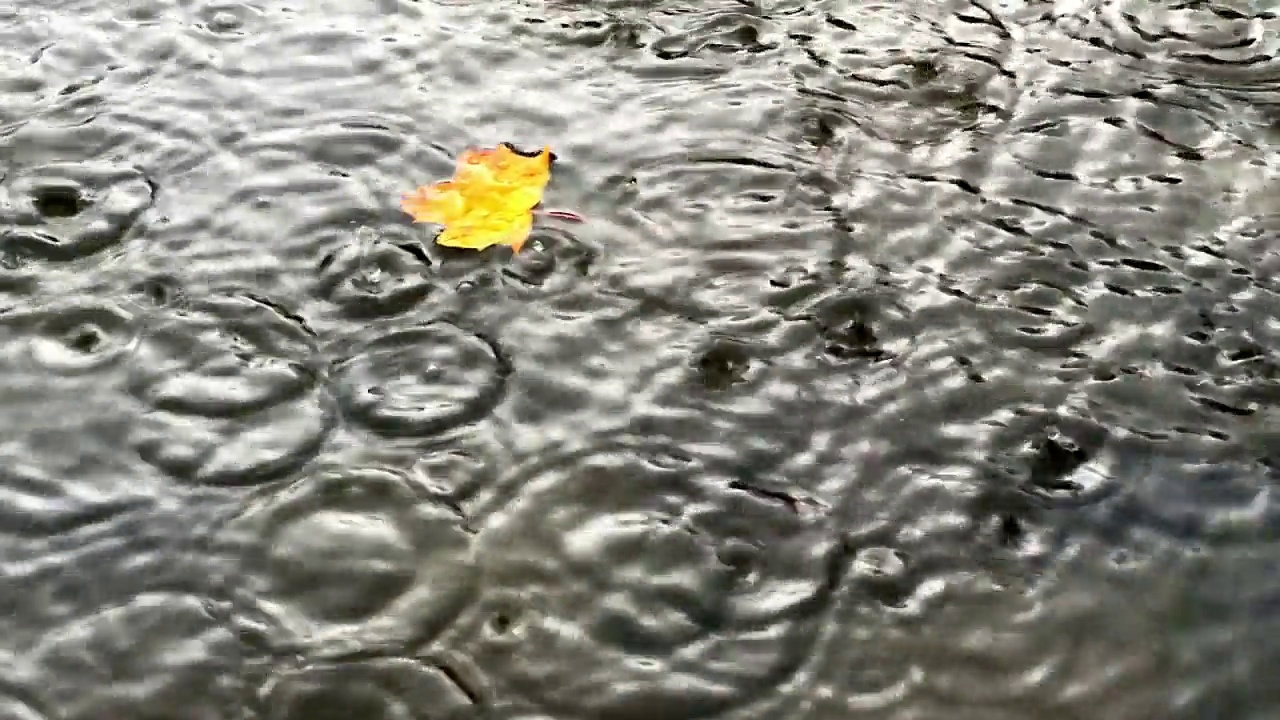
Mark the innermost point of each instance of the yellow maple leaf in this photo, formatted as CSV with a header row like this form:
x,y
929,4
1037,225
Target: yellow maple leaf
x,y
489,201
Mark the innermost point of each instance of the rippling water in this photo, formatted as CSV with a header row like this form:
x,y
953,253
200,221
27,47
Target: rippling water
x,y
918,360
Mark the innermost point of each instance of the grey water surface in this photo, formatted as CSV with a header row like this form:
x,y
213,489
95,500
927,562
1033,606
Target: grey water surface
x,y
918,360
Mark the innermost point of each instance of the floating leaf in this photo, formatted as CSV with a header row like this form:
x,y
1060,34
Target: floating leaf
x,y
489,201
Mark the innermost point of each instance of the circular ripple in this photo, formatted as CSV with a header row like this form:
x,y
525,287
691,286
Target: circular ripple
x,y
631,576
62,364
233,386
224,357
368,278
1221,504
77,337
854,324
1206,42
910,71
159,655
386,688
457,469
219,19
346,560
735,195
552,260
264,446
69,211
421,381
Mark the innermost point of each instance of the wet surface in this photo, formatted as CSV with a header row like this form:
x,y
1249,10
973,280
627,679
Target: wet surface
x,y
916,360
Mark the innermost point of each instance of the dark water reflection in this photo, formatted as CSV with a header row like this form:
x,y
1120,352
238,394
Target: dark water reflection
x,y
917,361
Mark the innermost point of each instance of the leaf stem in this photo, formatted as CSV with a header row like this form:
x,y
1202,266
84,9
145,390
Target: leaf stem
x,y
563,215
